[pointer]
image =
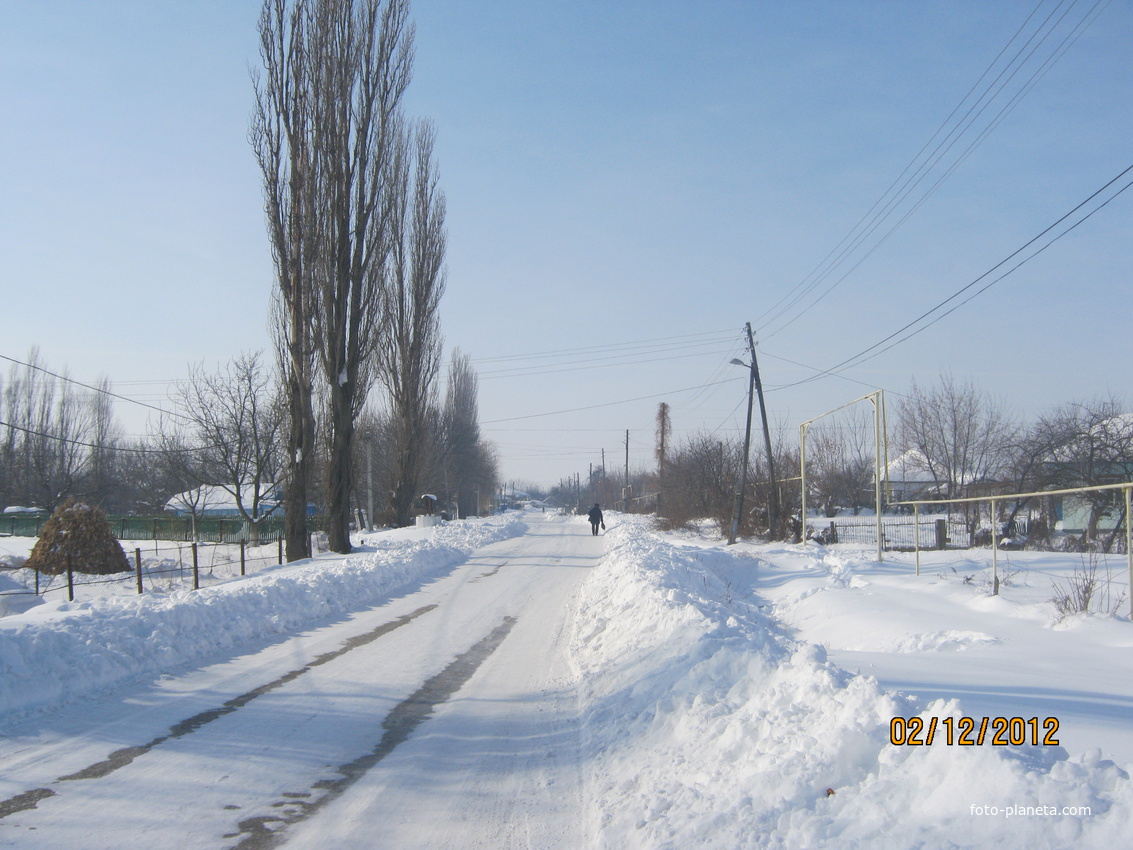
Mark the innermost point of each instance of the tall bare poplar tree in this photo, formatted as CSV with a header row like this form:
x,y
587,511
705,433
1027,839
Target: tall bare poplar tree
x,y
410,353
460,423
326,130
281,134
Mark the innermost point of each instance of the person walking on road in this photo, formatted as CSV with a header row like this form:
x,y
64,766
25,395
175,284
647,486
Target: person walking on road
x,y
596,519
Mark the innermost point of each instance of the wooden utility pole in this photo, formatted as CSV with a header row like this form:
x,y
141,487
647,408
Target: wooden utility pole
x,y
625,491
755,384
773,496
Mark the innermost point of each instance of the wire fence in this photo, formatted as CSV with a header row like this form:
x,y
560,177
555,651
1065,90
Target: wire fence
x,y
156,567
899,532
1079,519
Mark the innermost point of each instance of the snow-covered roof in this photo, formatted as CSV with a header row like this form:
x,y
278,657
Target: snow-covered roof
x,y
214,499
910,466
1117,428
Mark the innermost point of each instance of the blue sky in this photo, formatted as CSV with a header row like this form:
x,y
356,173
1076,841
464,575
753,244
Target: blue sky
x,y
616,172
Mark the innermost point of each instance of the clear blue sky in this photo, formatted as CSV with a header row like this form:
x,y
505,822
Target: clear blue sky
x,y
615,172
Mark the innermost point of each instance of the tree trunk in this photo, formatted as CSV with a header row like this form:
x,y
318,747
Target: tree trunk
x,y
340,473
300,442
407,469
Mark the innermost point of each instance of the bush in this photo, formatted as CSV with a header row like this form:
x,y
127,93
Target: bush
x,y
1086,590
79,533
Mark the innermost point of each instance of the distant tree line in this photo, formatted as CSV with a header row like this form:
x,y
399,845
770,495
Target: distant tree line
x,y
59,440
962,441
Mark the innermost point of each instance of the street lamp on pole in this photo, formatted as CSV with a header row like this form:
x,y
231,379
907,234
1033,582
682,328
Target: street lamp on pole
x,y
773,496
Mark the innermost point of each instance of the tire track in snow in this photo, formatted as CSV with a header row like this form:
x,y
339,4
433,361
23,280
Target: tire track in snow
x,y
399,724
120,758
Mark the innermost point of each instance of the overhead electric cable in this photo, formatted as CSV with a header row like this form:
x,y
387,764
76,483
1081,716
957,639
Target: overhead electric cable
x,y
73,442
593,363
596,406
99,390
654,343
914,174
861,356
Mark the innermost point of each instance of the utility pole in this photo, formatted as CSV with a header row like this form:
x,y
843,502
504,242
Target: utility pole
x,y
370,485
738,510
625,491
773,496
754,384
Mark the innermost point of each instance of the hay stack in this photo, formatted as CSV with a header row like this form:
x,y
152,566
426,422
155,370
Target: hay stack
x,y
80,532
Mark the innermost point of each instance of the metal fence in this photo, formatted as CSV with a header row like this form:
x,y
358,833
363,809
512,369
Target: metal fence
x,y
167,527
1052,520
899,532
1111,502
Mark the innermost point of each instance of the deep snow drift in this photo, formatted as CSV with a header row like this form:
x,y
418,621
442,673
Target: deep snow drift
x,y
711,726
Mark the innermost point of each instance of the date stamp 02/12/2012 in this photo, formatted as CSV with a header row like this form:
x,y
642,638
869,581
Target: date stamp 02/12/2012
x,y
973,731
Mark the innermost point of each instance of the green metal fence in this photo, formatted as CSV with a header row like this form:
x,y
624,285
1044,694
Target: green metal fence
x,y
167,527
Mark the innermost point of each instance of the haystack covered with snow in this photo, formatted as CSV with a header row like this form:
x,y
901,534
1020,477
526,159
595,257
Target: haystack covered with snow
x,y
78,534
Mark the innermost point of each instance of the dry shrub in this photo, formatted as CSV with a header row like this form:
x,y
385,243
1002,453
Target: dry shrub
x,y
77,532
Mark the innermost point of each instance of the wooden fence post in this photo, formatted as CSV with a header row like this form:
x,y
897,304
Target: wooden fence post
x,y
280,541
138,568
70,581
243,544
196,570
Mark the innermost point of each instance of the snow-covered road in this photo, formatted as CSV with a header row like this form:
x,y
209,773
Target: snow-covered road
x,y
306,741
514,682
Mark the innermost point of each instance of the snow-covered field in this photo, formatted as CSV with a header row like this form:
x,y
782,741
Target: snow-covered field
x,y
727,696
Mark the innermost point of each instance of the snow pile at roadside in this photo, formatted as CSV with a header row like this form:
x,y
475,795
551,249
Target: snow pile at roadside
x,y
59,650
709,726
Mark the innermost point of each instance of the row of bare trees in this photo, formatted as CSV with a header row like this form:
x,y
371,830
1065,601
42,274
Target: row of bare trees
x,y
356,223
56,437
962,440
226,441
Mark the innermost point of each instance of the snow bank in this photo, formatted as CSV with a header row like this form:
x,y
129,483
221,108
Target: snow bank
x,y
709,726
59,651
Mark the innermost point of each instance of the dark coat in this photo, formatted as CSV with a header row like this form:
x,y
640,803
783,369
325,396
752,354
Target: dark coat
x,y
595,514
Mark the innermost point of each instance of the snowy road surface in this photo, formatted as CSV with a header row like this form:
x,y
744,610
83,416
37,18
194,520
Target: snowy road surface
x,y
514,682
314,741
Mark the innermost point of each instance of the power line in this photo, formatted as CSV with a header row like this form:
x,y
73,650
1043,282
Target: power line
x,y
919,167
877,349
98,447
598,363
655,342
596,406
99,390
